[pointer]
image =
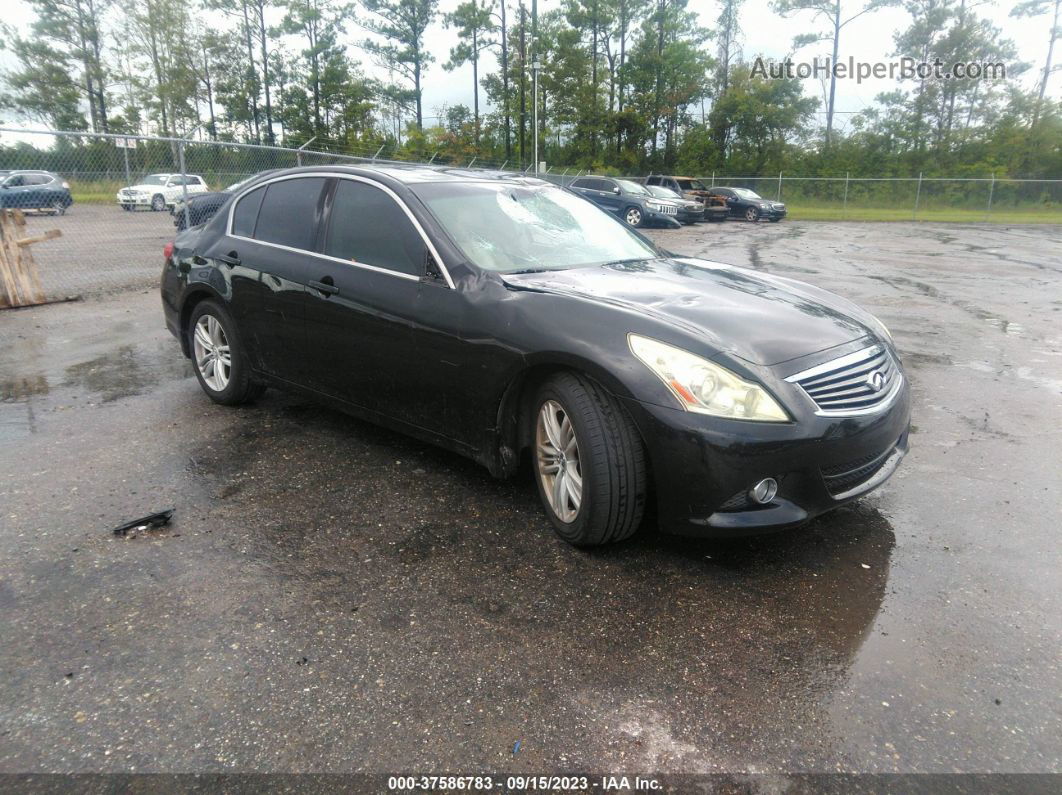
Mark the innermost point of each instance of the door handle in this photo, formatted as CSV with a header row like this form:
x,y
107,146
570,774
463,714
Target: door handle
x,y
326,286
231,259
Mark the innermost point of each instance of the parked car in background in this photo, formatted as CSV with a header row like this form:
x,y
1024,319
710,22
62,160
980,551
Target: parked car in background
x,y
202,206
35,190
628,200
159,191
511,321
715,208
690,212
747,204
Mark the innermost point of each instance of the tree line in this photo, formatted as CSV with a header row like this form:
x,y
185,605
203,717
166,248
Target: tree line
x,y
626,86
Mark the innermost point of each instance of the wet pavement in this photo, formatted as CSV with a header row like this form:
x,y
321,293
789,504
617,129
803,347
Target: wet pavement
x,y
331,596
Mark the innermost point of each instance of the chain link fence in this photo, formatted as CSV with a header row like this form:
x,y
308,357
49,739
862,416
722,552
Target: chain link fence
x,y
117,200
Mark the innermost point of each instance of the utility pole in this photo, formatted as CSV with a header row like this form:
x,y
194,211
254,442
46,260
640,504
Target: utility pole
x,y
523,82
534,75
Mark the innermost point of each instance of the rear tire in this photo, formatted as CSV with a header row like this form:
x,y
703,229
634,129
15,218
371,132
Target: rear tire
x,y
594,447
218,356
58,207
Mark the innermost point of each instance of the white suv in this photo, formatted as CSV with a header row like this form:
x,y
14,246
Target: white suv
x,y
159,191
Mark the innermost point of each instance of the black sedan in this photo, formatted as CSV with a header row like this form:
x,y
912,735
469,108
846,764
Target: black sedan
x,y
748,204
202,206
509,320
35,190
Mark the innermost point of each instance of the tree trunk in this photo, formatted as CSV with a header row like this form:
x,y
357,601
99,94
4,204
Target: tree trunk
x,y
833,71
505,83
265,70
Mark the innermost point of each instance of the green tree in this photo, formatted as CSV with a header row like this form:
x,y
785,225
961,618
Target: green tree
x,y
837,15
61,62
402,25
1037,8
475,26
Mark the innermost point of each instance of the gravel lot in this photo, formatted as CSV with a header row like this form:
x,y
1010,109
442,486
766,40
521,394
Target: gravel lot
x,y
103,248
333,597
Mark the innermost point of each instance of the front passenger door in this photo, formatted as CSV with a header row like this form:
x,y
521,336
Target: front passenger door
x,y
363,290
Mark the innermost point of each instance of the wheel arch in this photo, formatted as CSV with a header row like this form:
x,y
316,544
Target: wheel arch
x,y
512,434
195,295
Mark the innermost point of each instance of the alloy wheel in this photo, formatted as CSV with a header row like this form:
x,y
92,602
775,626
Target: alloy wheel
x,y
212,355
634,216
558,461
752,214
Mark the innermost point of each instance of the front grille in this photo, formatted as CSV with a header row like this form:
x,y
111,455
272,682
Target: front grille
x,y
852,384
845,477
669,209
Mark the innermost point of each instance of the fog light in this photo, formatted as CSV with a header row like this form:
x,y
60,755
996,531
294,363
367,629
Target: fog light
x,y
764,491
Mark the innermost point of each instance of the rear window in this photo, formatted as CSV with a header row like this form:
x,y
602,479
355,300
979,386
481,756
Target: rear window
x,y
288,215
246,213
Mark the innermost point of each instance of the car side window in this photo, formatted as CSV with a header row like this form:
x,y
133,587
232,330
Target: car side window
x,y
367,226
582,183
605,185
245,214
653,181
15,181
288,215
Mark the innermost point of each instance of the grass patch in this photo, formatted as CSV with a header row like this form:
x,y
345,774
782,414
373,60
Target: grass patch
x,y
1004,215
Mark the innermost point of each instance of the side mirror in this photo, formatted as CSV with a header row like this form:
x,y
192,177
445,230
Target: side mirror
x,y
171,184
616,191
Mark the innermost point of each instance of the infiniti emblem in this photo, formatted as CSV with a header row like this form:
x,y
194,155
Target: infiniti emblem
x,y
876,381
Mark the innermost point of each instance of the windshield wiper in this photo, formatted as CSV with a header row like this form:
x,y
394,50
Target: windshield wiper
x,y
627,261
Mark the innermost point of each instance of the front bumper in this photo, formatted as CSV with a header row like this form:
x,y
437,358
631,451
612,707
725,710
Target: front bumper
x,y
703,467
137,200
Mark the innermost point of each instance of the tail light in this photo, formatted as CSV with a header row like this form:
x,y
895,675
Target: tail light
x,y
167,251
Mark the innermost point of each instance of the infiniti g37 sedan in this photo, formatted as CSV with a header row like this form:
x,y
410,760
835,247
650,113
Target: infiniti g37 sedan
x,y
509,320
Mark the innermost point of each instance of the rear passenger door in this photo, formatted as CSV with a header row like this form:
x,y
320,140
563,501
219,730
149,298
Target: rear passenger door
x,y
270,244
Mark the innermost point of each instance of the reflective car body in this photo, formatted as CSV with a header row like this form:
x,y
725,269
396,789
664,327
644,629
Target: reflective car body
x,y
690,211
35,190
449,350
746,203
628,200
160,191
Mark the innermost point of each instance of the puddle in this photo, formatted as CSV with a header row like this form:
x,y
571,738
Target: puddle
x,y
125,372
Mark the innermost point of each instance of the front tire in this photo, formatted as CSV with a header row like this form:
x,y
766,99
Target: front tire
x,y
158,203
752,214
633,216
218,356
589,462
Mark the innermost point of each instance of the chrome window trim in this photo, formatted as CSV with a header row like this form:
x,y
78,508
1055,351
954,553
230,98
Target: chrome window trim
x,y
365,266
862,355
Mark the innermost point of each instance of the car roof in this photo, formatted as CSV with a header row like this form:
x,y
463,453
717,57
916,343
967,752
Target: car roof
x,y
412,174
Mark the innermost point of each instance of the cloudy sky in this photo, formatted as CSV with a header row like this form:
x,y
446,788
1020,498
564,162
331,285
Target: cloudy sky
x,y
868,38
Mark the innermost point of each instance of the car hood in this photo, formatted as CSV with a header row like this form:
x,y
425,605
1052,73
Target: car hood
x,y
763,319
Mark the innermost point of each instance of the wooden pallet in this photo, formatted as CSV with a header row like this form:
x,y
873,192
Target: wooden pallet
x,y
20,284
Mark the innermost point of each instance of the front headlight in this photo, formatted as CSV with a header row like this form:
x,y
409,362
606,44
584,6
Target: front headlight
x,y
703,386
654,206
